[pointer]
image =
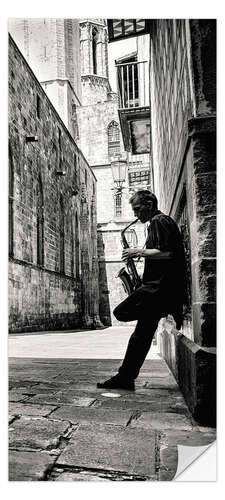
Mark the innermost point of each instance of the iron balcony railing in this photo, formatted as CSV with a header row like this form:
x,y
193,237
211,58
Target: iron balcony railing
x,y
133,84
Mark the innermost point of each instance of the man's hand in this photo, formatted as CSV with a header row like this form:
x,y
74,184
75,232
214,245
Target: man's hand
x,y
130,252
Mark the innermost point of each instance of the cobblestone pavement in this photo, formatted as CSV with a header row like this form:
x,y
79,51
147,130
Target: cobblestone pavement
x,y
62,428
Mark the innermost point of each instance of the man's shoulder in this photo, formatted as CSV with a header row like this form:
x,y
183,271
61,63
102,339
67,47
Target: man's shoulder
x,y
161,217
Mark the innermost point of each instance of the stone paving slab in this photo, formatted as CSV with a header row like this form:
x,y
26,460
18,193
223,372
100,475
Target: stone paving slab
x,y
13,382
80,476
17,397
107,416
168,448
194,438
111,448
61,398
159,382
36,433
147,396
162,421
30,410
22,390
29,466
158,405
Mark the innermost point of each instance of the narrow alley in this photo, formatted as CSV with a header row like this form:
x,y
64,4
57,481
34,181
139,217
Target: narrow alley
x,y
62,428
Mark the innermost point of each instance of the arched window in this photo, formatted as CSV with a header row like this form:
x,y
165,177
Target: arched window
x,y
61,236
77,241
94,51
113,139
72,246
40,223
11,194
118,204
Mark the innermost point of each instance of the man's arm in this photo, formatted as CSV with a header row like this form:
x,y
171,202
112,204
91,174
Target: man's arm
x,y
147,253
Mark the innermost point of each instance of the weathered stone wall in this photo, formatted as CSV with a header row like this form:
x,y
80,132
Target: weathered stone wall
x,y
184,148
53,230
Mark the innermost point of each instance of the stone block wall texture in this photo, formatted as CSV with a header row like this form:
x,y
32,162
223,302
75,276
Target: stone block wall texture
x,y
194,368
184,148
49,284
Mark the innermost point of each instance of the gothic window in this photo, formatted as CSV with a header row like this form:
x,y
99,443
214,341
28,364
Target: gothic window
x,y
60,147
94,51
72,247
77,250
74,120
113,139
118,204
40,223
38,106
11,192
61,236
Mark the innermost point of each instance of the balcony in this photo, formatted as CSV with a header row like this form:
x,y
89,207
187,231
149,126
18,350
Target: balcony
x,y
134,107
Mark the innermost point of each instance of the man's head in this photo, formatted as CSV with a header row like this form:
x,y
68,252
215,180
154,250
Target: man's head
x,y
144,204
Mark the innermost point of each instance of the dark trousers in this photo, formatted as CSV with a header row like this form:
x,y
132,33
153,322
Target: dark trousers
x,y
142,307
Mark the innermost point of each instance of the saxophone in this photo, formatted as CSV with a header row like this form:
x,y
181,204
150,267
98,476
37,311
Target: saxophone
x,y
130,277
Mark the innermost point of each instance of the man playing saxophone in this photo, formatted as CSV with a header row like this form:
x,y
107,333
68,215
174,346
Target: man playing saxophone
x,y
161,291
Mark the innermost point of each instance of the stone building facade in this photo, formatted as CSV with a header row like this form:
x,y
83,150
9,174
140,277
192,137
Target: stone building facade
x,y
100,140
183,96
53,265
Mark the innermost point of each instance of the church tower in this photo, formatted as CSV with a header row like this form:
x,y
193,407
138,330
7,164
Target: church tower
x,y
94,61
52,49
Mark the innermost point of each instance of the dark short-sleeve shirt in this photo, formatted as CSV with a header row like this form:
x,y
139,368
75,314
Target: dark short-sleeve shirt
x,y
166,277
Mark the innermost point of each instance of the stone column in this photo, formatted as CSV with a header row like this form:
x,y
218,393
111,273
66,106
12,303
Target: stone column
x,y
85,265
95,272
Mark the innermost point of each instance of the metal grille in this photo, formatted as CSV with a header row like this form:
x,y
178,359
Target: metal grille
x,y
113,140
118,204
132,81
139,177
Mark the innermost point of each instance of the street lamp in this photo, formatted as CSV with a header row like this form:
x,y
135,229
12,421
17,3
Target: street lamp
x,y
118,168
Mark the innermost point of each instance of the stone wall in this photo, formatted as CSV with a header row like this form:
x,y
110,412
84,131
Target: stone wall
x,y
184,149
52,211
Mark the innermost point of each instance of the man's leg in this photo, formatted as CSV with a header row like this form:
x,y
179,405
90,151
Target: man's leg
x,y
137,350
138,347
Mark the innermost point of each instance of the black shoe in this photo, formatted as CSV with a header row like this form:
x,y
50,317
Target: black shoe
x,y
117,382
